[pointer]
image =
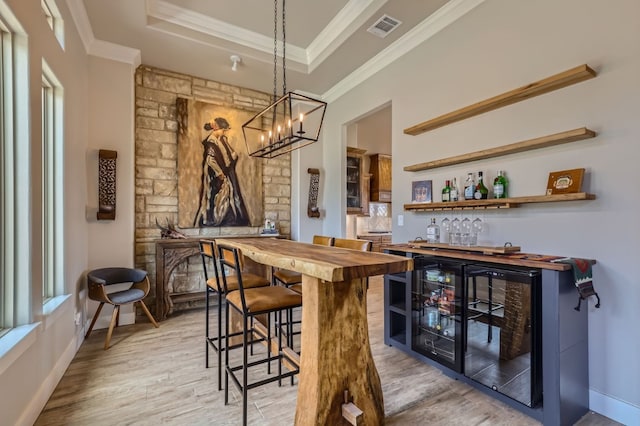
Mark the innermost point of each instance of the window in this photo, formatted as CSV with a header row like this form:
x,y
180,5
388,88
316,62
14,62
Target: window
x,y
54,19
3,296
15,270
52,188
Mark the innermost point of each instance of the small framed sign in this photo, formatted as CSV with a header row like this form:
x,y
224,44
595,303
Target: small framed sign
x,y
421,191
565,181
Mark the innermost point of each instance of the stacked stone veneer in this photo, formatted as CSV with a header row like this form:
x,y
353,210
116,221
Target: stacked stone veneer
x,y
156,175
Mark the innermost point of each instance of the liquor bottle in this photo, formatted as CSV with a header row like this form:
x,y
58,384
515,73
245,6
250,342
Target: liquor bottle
x,y
500,186
469,187
446,191
453,193
481,191
433,232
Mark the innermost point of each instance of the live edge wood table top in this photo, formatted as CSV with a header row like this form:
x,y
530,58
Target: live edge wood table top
x,y
335,350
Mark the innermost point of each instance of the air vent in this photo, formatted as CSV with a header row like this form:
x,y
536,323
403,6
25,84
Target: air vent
x,y
383,26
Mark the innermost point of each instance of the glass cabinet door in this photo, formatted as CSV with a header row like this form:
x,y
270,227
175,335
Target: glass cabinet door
x,y
353,182
437,311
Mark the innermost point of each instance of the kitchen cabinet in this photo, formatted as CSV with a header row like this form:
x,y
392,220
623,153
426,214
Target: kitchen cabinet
x,y
356,197
380,169
377,240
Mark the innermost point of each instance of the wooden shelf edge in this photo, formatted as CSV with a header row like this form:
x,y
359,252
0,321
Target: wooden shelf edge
x,y
574,135
502,203
554,82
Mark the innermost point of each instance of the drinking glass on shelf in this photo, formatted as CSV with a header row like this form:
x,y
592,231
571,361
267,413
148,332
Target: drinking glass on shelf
x,y
445,227
476,228
465,232
454,235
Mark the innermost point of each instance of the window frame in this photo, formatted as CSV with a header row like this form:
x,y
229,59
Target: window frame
x,y
52,185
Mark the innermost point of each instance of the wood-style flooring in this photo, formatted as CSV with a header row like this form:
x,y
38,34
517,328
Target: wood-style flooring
x,y
155,376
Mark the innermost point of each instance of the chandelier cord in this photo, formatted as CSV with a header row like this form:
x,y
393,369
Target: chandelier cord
x,y
284,50
275,49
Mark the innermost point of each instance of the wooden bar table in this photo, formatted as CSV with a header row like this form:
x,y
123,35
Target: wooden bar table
x,y
335,350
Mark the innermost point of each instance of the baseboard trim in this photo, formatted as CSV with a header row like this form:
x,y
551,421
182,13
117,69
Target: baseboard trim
x,y
613,408
39,400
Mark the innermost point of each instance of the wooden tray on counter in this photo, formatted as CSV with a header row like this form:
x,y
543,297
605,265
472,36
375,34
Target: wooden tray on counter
x,y
482,249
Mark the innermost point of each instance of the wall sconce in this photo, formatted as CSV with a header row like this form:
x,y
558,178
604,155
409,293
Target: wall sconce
x,y
107,184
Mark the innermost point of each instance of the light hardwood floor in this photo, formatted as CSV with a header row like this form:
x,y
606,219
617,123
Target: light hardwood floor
x,y
157,376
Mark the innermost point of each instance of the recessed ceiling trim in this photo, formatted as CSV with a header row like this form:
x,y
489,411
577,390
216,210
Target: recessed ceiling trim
x,y
195,21
439,20
81,19
99,48
340,28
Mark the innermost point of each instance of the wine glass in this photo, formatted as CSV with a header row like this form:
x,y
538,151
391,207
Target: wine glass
x,y
445,225
454,235
465,232
476,228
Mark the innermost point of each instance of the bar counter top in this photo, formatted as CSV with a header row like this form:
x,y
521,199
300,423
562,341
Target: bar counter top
x,y
516,259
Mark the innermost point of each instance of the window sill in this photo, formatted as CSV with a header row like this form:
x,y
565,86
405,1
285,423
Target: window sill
x,y
52,310
15,343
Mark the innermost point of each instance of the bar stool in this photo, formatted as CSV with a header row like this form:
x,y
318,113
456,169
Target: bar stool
x,y
293,279
250,303
214,285
362,245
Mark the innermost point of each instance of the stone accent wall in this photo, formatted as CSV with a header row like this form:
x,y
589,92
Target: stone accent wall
x,y
156,177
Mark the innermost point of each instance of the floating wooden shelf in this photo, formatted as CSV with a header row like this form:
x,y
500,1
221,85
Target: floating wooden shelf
x,y
497,203
549,84
528,145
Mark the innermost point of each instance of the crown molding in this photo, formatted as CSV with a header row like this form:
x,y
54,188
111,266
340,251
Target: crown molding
x,y
207,25
100,48
439,20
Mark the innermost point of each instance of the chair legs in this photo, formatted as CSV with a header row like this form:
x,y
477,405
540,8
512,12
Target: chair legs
x,y
148,314
93,321
215,342
114,320
243,384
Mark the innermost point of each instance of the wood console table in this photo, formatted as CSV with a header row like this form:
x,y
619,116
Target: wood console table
x,y
169,254
335,350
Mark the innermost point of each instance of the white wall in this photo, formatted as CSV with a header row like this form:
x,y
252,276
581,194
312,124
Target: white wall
x,y
111,127
32,369
98,113
501,45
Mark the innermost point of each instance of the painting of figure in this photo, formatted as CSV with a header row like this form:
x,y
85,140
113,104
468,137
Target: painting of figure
x,y
218,183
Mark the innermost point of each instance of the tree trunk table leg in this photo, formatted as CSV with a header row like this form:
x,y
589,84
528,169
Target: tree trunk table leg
x,y
336,355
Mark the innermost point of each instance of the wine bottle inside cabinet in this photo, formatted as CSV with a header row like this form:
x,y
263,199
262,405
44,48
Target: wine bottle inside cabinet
x,y
437,310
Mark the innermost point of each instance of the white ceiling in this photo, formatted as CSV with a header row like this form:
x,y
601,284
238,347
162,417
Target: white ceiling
x,y
327,41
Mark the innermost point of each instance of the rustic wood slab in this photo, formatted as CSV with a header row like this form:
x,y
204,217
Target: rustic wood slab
x,y
335,348
481,249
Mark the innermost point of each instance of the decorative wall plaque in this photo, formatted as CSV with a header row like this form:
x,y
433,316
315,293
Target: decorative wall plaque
x,y
107,184
565,181
314,186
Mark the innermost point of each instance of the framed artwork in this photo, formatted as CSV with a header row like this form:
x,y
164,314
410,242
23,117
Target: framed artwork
x,y
421,191
565,181
218,183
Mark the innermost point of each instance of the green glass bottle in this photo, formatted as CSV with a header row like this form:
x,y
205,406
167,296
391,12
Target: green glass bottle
x,y
481,191
446,191
500,186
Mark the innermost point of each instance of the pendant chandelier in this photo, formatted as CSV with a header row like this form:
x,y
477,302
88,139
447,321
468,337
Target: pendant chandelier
x,y
292,120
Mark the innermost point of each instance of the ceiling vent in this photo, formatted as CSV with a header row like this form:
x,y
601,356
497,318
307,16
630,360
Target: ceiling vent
x,y
383,26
